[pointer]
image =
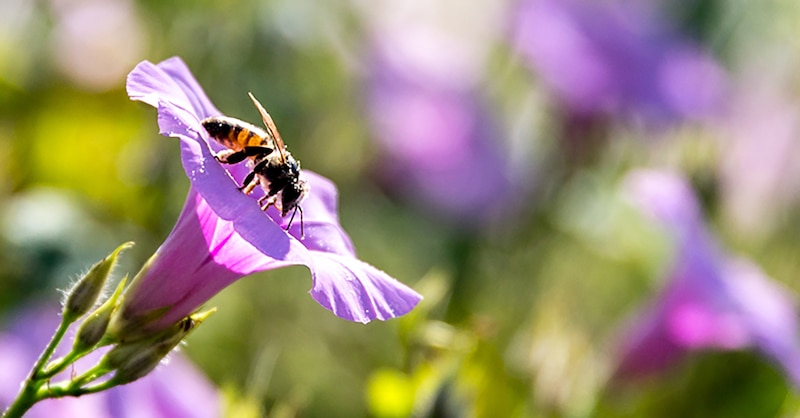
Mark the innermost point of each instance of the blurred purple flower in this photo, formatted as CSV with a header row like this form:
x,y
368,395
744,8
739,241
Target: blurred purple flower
x,y
222,234
710,301
96,41
760,159
177,391
438,141
616,58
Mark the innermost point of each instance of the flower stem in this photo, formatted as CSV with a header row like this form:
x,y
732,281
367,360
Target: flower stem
x,y
28,395
95,372
21,405
73,388
58,365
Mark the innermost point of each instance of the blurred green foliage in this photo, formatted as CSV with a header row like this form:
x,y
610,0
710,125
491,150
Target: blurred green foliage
x,y
519,318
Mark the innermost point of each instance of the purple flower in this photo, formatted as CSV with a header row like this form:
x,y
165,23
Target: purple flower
x,y
616,58
177,391
710,300
440,147
222,234
760,160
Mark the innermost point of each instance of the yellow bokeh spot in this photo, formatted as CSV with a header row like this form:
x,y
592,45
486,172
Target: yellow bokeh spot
x,y
390,393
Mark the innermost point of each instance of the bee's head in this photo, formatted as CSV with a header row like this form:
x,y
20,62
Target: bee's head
x,y
292,195
215,127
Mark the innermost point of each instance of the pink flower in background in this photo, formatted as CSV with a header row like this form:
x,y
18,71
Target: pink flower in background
x,y
95,42
616,58
177,391
709,300
222,234
759,161
440,148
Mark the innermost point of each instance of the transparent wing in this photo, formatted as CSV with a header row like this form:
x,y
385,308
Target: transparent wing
x,y
272,130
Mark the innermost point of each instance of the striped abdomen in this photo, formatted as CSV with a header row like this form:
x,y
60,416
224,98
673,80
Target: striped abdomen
x,y
234,133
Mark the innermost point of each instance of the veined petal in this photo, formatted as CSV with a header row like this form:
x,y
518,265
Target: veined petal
x,y
170,82
356,291
202,255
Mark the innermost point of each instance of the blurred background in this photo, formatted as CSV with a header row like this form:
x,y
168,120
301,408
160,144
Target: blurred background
x,y
483,155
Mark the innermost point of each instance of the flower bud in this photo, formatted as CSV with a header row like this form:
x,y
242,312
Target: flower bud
x,y
83,295
95,325
133,360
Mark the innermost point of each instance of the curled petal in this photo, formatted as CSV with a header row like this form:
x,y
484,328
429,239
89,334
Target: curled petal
x,y
355,290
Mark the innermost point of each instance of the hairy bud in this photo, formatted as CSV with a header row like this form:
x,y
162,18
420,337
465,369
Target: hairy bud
x,y
83,295
135,359
95,325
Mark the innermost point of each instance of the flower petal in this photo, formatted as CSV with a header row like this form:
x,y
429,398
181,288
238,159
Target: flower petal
x,y
319,224
202,255
356,291
169,82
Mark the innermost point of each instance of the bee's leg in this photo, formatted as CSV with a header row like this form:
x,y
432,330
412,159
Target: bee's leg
x,y
271,201
224,156
248,180
250,183
252,151
232,157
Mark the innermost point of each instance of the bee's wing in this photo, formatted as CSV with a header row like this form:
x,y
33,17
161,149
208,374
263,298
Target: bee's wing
x,y
272,130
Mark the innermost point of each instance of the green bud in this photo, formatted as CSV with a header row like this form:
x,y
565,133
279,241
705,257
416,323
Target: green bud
x,y
95,325
83,295
133,360
138,365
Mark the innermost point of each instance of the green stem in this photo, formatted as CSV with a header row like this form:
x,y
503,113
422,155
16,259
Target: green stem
x,y
96,371
58,365
30,388
72,388
21,405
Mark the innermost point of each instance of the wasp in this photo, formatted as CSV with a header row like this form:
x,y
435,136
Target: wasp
x,y
271,164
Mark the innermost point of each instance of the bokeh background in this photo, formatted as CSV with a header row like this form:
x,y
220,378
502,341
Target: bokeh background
x,y
480,150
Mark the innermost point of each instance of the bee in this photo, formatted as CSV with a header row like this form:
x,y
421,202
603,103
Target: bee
x,y
272,166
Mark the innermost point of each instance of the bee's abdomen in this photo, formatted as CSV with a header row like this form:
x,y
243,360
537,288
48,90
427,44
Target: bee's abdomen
x,y
233,134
